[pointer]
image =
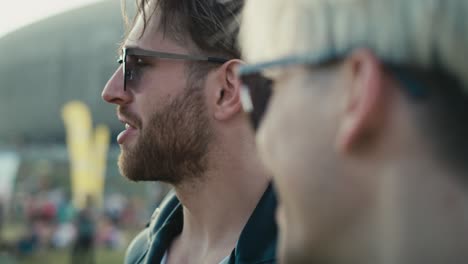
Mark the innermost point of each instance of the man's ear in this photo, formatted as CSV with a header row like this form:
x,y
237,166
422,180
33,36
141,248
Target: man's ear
x,y
227,91
366,101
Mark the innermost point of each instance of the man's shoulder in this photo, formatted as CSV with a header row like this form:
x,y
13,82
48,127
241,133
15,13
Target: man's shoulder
x,y
140,245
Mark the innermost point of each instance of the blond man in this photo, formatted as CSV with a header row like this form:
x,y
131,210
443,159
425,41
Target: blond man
x,y
366,129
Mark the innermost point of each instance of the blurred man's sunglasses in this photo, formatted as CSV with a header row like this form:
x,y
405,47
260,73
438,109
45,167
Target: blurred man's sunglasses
x,y
257,89
256,93
129,69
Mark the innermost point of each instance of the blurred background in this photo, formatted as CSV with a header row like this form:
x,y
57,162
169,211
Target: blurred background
x,y
59,181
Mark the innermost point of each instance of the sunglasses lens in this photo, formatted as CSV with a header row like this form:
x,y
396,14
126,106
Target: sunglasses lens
x,y
255,94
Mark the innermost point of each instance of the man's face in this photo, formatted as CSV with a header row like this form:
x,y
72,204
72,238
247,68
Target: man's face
x,y
167,126
296,141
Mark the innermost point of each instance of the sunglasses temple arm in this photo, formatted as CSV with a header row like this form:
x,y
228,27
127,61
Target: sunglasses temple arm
x,y
216,60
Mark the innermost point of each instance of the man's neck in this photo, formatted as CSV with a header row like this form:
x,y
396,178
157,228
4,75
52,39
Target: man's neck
x,y
215,210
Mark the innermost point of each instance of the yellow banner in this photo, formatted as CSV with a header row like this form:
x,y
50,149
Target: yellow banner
x,y
87,152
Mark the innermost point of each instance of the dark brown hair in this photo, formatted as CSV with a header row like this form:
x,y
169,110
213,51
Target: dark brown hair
x,y
212,25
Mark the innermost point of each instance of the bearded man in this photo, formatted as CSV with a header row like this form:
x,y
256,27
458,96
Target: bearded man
x,y
178,94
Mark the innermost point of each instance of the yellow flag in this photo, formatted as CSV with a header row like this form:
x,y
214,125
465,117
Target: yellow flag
x,y
100,150
87,151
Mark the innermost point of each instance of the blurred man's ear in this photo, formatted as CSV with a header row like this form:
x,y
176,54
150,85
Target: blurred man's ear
x,y
227,92
365,102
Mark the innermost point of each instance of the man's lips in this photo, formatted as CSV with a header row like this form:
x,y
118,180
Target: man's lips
x,y
126,121
127,117
128,125
130,128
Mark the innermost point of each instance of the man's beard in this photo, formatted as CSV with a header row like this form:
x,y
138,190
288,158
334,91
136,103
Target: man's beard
x,y
173,146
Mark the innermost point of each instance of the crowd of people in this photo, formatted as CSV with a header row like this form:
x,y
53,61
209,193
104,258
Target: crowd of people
x,y
48,220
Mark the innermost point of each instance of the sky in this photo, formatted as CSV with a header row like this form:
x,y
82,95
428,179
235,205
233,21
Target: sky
x,y
18,13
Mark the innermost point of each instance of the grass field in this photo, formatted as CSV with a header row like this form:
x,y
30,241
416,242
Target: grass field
x,y
103,256
59,257
52,257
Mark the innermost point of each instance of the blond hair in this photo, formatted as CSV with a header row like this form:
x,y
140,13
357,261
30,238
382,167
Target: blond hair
x,y
423,33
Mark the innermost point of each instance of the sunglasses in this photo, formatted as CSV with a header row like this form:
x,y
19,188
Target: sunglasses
x,y
129,60
257,89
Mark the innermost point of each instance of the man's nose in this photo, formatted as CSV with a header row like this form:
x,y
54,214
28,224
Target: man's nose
x,y
114,92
